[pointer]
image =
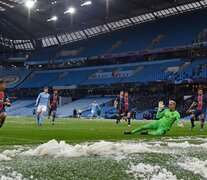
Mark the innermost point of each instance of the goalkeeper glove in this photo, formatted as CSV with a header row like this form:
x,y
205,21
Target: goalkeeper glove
x,y
160,106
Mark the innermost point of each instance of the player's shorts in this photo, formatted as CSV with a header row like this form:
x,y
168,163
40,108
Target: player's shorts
x,y
126,112
199,112
41,108
120,112
99,112
53,108
92,112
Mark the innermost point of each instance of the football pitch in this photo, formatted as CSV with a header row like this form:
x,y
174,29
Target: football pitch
x,y
98,149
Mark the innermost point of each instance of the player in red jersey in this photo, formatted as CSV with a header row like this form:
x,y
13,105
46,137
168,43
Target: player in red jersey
x,y
199,104
54,102
127,110
4,101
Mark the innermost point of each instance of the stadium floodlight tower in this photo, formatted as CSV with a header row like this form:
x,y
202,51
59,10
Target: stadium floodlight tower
x,y
30,4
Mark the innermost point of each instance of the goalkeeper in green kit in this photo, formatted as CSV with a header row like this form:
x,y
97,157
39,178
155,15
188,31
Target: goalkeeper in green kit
x,y
166,119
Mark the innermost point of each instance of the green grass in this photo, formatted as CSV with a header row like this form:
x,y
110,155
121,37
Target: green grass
x,y
23,131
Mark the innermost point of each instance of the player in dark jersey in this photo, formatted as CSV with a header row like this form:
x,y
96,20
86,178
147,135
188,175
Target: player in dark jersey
x,y
54,103
119,105
199,104
4,101
127,111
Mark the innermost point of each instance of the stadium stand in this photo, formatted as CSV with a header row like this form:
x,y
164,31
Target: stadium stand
x,y
144,72
196,68
24,107
40,79
168,33
83,104
14,76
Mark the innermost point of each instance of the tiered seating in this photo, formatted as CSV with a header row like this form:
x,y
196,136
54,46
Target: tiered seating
x,y
25,106
142,72
191,71
153,71
104,111
41,79
181,31
173,30
85,48
14,73
106,76
83,104
22,107
43,56
74,77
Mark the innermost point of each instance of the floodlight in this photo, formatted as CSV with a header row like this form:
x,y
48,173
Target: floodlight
x,y
71,10
87,3
29,4
54,18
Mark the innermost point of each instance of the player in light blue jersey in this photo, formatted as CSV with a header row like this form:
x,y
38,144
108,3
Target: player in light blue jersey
x,y
94,108
42,103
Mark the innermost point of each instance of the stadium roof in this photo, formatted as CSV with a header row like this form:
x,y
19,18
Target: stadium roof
x,y
21,28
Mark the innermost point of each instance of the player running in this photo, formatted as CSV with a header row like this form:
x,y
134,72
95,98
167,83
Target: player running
x,y
127,113
54,103
4,101
165,122
199,104
94,108
42,102
119,105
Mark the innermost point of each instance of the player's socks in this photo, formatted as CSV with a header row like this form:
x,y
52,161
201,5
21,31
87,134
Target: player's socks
x,y
191,128
127,132
49,114
38,119
118,119
53,119
202,124
2,122
144,133
192,123
129,121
